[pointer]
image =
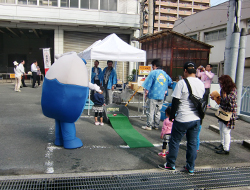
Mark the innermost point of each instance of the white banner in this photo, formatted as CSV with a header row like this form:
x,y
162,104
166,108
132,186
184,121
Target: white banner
x,y
46,58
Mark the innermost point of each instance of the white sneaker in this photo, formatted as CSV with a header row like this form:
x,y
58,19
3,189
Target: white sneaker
x,y
96,123
146,128
101,123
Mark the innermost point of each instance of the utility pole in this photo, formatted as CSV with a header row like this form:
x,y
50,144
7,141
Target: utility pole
x,y
235,42
231,52
232,66
230,26
150,16
240,67
142,16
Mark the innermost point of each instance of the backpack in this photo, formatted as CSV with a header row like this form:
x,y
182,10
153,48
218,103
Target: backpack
x,y
199,103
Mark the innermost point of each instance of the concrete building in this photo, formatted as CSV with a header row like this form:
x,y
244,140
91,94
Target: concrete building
x,y
27,26
210,25
168,11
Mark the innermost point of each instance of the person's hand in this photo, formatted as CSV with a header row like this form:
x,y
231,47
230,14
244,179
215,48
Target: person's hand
x,y
161,137
224,94
146,93
201,68
212,97
113,87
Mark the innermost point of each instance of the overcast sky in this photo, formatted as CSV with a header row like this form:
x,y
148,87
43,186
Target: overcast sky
x,y
216,2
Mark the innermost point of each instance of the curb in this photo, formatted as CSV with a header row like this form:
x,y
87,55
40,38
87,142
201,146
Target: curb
x,y
246,143
245,118
214,128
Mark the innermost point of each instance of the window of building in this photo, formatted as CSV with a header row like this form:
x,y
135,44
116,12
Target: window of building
x,y
22,2
93,4
108,5
48,3
70,3
112,5
193,36
74,3
8,1
215,35
85,4
89,4
53,3
64,3
32,2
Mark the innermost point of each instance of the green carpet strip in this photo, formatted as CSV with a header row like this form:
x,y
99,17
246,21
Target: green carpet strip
x,y
123,127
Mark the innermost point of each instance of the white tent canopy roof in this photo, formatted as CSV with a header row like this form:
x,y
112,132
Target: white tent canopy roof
x,y
113,48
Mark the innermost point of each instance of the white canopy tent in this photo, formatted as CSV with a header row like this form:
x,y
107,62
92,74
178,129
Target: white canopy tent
x,y
115,49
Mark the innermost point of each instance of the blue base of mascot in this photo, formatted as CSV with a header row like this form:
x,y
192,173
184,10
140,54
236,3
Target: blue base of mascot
x,y
64,94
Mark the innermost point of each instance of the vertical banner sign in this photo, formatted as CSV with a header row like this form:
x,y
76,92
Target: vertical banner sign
x,y
46,59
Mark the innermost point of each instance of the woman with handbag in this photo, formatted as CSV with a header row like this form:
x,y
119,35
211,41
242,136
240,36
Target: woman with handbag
x,y
227,112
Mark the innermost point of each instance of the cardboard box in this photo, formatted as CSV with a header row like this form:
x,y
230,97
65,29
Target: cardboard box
x,y
134,86
141,89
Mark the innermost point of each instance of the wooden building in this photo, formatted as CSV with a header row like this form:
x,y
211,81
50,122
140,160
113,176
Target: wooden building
x,y
173,50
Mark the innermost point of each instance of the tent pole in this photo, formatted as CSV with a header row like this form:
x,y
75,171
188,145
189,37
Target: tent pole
x,y
143,95
122,75
90,81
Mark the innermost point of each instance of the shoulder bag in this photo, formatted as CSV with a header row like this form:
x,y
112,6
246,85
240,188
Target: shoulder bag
x,y
199,103
223,115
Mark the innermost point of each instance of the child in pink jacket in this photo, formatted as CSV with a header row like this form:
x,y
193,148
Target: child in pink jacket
x,y
166,132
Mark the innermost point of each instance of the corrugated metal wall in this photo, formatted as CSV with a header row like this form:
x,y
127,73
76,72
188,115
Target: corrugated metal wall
x,y
79,41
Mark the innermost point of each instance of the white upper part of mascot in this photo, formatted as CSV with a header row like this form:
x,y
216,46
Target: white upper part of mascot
x,y
69,69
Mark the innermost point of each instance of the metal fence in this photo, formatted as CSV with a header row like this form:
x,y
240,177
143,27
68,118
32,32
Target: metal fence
x,y
245,101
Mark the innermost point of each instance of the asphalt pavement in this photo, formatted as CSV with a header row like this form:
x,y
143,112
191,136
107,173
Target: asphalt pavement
x,y
26,142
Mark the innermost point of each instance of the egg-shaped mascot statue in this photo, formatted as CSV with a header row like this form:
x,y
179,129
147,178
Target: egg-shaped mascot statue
x,y
64,94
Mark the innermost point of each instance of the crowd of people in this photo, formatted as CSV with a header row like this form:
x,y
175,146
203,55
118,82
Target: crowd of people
x,y
20,75
182,117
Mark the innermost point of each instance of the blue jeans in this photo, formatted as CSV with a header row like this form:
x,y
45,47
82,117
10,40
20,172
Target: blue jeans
x,y
198,138
178,131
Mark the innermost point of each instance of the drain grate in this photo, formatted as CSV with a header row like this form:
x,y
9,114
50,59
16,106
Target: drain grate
x,y
202,179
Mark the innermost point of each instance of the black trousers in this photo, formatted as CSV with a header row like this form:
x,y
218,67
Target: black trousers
x,y
38,78
206,94
34,75
23,77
